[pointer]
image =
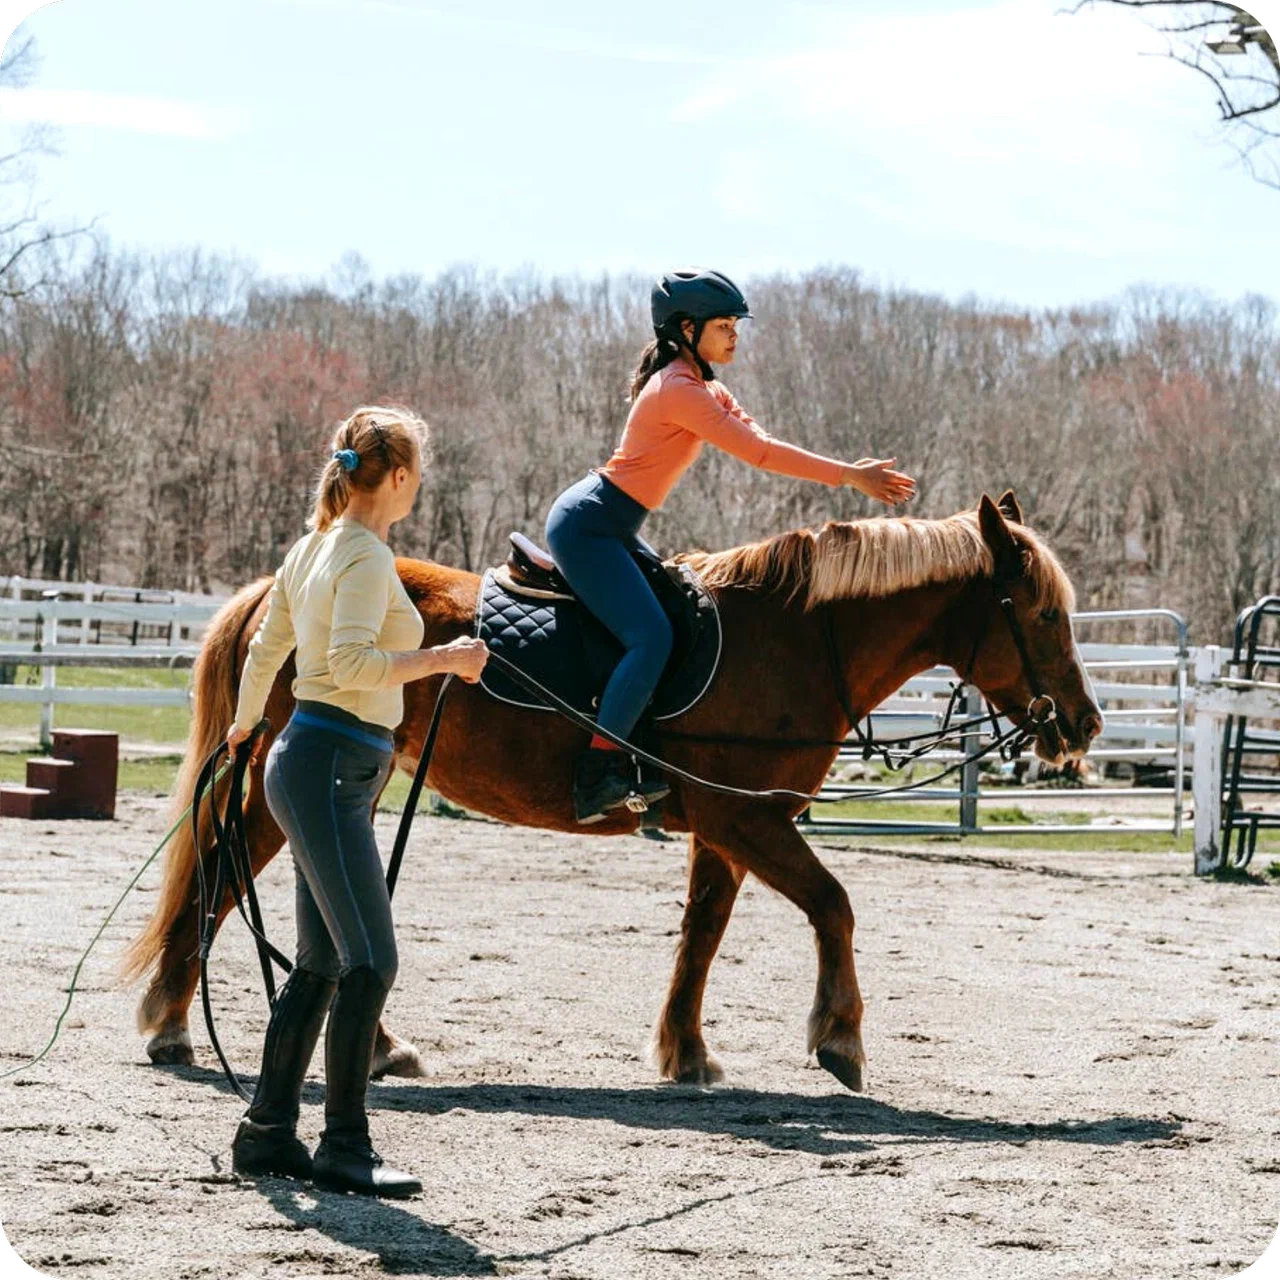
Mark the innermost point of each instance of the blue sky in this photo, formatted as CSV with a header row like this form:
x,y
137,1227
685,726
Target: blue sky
x,y
998,149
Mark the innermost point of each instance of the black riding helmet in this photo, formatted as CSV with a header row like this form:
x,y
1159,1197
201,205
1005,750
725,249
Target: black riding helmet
x,y
695,295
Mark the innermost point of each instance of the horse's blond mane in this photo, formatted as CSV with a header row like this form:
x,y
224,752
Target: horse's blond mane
x,y
870,558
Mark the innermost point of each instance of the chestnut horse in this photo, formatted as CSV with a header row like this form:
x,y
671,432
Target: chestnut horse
x,y
901,595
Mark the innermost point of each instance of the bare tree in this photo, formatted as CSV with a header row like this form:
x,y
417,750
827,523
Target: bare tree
x,y
1233,51
22,231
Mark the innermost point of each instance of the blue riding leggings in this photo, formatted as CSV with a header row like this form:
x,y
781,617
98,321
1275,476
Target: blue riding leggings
x,y
591,529
322,776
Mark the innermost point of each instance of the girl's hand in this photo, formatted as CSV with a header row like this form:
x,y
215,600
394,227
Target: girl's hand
x,y
465,657
876,478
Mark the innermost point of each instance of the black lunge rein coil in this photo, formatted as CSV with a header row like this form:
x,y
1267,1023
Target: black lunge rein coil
x,y
234,866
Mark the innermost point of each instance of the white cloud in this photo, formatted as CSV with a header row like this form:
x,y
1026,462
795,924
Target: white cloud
x,y
991,73
123,112
1006,123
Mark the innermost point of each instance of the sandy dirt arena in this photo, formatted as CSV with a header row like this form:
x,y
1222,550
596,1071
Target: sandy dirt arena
x,y
1073,1071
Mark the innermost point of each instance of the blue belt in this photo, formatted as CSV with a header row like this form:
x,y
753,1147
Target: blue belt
x,y
336,726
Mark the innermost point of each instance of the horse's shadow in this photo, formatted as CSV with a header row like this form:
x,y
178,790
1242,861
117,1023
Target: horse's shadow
x,y
830,1125
826,1125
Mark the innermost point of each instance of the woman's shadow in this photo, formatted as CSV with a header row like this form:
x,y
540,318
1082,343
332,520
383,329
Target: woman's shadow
x,y
404,1243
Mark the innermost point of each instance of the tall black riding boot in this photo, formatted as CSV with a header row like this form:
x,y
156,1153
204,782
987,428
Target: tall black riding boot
x,y
266,1141
601,783
607,780
345,1160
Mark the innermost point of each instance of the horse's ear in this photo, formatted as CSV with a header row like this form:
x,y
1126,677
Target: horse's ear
x,y
1010,507
995,533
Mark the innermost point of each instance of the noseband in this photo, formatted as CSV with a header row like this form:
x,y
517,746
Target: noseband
x,y
1041,710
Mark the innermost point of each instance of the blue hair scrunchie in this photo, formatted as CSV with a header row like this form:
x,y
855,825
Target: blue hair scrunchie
x,y
349,459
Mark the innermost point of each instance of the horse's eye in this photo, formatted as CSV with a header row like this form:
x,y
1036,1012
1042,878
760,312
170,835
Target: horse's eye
x,y
1049,615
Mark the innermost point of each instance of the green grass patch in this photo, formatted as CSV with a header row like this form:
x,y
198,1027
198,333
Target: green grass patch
x,y
154,776
133,724
990,812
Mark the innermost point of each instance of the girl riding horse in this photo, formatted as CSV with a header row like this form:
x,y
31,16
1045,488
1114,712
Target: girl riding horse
x,y
676,406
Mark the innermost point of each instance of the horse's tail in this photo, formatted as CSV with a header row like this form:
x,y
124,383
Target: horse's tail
x,y
214,694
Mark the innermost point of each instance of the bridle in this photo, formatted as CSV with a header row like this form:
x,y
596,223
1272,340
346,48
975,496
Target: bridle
x,y
1042,710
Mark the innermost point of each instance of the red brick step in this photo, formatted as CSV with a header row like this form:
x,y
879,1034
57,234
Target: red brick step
x,y
77,781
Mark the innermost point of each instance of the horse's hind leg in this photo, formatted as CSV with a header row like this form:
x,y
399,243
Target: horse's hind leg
x,y
167,1001
766,843
678,1046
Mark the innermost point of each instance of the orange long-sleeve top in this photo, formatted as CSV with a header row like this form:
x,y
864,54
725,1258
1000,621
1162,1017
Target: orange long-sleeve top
x,y
674,415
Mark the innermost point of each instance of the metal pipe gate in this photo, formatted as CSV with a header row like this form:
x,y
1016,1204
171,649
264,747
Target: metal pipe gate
x,y
1145,723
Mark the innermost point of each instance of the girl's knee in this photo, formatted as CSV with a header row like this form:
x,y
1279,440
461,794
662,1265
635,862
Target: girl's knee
x,y
661,640
318,960
386,964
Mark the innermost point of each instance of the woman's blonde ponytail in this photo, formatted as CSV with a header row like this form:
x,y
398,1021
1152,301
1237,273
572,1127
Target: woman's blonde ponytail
x,y
377,439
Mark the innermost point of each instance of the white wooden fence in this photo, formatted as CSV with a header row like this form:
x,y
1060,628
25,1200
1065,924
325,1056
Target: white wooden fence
x,y
64,627
1146,720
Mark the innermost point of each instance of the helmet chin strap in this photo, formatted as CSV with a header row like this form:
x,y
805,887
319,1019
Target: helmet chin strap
x,y
703,367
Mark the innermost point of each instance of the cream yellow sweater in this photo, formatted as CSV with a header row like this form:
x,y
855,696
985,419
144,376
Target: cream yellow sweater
x,y
339,602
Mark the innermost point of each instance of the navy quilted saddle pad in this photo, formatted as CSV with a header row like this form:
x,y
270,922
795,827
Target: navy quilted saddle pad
x,y
533,621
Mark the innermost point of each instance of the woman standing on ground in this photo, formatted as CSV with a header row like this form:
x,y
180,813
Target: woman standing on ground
x,y
676,406
338,601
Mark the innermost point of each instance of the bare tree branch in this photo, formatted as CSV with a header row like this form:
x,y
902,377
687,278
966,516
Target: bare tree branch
x,y
1244,98
21,232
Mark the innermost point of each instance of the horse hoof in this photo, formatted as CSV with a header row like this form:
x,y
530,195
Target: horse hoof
x,y
400,1060
708,1071
846,1069
169,1049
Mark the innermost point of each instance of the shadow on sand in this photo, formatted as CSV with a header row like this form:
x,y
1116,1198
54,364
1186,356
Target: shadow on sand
x,y
830,1125
825,1125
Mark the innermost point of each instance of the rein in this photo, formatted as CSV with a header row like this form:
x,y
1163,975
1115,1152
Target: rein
x,y
1041,710
1008,743
235,871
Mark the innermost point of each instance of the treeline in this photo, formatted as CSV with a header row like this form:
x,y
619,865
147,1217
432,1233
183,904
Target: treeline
x,y
161,418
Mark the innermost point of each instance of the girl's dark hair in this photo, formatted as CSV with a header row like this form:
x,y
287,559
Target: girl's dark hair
x,y
666,346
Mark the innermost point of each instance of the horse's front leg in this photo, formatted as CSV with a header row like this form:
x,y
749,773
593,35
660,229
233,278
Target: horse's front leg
x,y
765,842
678,1047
